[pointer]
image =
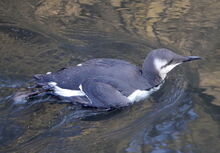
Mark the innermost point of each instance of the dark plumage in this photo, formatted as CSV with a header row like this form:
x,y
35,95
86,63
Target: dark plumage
x,y
109,82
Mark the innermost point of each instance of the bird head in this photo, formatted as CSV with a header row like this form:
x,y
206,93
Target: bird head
x,y
162,61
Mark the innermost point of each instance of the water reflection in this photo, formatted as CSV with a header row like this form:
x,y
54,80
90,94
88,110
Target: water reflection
x,y
40,36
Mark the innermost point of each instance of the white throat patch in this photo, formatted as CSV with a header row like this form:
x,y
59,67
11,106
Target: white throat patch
x,y
163,70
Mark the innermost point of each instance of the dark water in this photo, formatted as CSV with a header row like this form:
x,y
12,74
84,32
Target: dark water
x,y
37,36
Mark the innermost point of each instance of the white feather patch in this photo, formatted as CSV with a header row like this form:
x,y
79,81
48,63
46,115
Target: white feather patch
x,y
167,69
139,95
65,92
80,87
159,65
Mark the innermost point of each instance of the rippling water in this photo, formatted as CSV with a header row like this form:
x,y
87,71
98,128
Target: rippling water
x,y
46,35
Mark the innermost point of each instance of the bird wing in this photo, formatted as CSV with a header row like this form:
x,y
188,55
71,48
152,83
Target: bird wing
x,y
101,94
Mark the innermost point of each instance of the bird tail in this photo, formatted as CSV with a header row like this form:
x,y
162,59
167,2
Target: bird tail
x,y
35,89
23,97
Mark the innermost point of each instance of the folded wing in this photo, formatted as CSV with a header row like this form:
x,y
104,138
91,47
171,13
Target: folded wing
x,y
104,95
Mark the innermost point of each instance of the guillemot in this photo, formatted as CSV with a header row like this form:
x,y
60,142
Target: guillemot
x,y
111,83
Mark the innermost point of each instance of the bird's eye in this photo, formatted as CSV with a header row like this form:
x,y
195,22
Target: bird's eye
x,y
167,63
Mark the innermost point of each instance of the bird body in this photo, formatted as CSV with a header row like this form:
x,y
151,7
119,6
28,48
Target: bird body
x,y
111,82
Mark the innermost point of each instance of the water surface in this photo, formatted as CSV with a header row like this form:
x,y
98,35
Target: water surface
x,y
46,35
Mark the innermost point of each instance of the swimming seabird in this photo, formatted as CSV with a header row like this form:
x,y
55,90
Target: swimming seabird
x,y
112,83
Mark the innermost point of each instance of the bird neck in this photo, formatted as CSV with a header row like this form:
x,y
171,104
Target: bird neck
x,y
153,78
150,73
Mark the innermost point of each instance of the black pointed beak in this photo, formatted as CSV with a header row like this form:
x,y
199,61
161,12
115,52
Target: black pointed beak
x,y
191,58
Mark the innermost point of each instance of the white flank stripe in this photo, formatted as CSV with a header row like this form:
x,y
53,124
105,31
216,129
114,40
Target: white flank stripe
x,y
65,92
139,95
80,87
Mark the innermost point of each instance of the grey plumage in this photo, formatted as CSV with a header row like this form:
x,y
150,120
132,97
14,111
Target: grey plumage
x,y
108,82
